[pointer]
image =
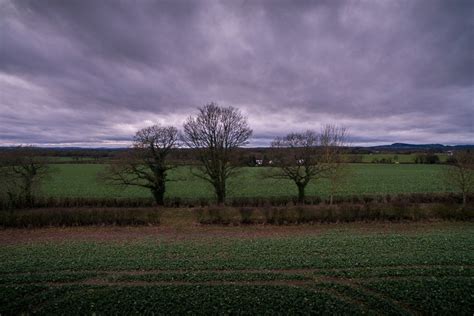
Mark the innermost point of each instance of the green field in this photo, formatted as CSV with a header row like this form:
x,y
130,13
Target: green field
x,y
364,158
340,270
71,159
401,158
81,180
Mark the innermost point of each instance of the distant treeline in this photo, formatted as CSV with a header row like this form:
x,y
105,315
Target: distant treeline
x,y
254,156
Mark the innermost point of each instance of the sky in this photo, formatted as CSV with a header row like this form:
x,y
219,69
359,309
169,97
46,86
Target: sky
x,y
91,73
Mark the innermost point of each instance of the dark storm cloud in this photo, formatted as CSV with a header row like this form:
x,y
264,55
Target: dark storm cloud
x,y
92,72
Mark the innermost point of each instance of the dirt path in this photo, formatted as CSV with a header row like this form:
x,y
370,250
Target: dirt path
x,y
190,231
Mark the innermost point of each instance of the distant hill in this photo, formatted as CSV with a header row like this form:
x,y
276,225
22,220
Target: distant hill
x,y
404,146
104,151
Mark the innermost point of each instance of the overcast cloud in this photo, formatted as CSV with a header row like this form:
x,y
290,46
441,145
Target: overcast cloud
x,y
90,73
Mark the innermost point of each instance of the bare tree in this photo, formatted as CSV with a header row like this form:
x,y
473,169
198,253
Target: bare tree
x,y
460,173
304,157
337,176
295,157
145,164
9,187
333,141
23,171
215,133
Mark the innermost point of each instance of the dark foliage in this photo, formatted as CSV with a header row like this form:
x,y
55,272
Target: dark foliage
x,y
347,212
79,217
427,158
449,198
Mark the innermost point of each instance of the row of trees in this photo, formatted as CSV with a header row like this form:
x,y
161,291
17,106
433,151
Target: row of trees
x,y
214,134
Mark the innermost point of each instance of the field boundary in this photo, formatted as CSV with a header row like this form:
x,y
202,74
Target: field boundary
x,y
394,210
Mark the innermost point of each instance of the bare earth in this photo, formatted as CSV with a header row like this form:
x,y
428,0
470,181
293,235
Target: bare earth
x,y
174,231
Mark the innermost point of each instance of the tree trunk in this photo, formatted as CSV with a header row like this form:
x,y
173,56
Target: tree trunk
x,y
220,193
301,188
464,199
12,201
331,199
159,186
28,194
159,194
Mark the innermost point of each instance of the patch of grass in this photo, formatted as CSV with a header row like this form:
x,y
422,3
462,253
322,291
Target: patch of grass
x,y
50,277
20,299
401,158
200,276
376,305
179,300
444,295
387,272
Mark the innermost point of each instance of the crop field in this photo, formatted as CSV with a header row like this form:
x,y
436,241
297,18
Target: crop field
x,y
400,269
401,158
82,180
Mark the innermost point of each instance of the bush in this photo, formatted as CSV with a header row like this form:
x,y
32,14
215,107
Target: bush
x,y
450,212
393,211
246,215
281,201
79,217
427,158
275,215
216,215
396,210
